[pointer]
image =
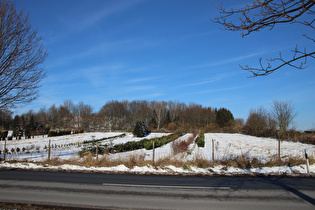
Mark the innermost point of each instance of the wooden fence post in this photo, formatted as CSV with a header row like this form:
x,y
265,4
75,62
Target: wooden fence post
x,y
212,150
279,150
5,148
97,151
49,150
153,153
307,163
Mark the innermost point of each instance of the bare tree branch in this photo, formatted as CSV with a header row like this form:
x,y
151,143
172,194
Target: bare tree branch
x,y
268,13
265,70
21,54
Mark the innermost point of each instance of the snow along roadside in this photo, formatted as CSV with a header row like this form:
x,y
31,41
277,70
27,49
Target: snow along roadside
x,y
220,170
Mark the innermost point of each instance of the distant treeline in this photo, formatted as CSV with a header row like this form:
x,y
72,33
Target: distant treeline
x,y
121,116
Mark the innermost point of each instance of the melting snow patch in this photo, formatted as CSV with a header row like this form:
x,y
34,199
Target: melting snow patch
x,y
170,169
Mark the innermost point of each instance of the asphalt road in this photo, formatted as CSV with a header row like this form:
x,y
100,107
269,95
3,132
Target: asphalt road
x,y
103,191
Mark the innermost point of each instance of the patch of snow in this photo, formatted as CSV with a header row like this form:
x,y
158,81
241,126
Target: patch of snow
x,y
216,170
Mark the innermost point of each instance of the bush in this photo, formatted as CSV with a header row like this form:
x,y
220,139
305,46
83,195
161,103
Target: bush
x,y
182,146
141,129
172,126
59,133
78,131
4,135
224,117
200,141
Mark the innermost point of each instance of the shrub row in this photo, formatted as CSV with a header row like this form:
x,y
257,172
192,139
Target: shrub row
x,y
145,143
59,133
64,132
200,141
107,138
78,131
90,146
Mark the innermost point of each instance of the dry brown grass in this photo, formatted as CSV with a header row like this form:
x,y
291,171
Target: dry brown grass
x,y
55,161
134,160
198,162
102,161
139,160
247,163
169,161
182,146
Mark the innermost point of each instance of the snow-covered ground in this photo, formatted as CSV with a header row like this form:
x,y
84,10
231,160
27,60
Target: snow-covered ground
x,y
64,147
229,145
226,146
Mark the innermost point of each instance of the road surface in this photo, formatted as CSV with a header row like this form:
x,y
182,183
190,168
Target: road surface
x,y
103,191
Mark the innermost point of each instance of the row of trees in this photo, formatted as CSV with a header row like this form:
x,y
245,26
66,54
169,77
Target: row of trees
x,y
119,115
157,115
260,122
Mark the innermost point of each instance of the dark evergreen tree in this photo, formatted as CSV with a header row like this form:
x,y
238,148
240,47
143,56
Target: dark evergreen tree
x,y
153,123
224,117
141,129
168,118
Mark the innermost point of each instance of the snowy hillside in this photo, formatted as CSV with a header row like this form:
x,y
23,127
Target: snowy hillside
x,y
218,145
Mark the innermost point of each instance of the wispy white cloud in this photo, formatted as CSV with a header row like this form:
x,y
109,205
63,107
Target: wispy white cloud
x,y
203,82
230,60
218,78
149,96
140,80
100,48
85,20
216,90
196,35
130,89
99,76
236,59
80,19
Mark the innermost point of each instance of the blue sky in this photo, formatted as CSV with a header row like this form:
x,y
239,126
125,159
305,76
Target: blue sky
x,y
102,50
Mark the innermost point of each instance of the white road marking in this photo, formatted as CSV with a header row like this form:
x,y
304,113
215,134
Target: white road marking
x,y
163,186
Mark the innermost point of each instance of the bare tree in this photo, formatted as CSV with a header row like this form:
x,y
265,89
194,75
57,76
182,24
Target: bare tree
x,y
257,122
283,113
53,117
65,117
86,112
263,14
139,111
115,115
83,115
160,109
21,53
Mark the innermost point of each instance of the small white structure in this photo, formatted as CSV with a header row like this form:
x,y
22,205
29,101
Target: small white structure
x,y
10,134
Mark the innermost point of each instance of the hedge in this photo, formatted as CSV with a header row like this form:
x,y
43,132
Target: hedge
x,y
128,146
200,141
101,148
145,143
59,133
107,138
